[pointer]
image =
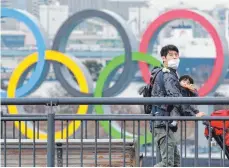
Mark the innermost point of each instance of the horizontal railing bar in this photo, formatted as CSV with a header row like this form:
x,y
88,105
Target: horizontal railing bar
x,y
71,115
23,118
71,141
137,117
73,146
113,101
25,115
127,117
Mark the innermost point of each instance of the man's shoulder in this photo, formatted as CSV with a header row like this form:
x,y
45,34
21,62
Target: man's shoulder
x,y
155,71
167,73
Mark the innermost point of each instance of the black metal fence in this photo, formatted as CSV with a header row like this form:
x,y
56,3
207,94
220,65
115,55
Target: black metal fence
x,y
79,149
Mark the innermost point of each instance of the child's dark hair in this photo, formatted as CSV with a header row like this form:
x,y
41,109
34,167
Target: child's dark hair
x,y
167,48
186,77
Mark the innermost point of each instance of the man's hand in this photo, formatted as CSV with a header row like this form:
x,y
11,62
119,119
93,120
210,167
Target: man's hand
x,y
200,114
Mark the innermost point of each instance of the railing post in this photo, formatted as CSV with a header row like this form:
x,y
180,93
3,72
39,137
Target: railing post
x,y
51,138
59,155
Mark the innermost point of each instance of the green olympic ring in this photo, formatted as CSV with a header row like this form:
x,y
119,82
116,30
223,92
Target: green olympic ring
x,y
112,65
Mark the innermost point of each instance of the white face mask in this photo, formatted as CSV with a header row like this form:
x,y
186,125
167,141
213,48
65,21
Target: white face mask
x,y
174,63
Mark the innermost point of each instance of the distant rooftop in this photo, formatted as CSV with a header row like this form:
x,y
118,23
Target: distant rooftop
x,y
136,2
12,32
182,27
129,0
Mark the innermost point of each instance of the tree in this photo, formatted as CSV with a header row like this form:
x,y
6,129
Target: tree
x,y
55,91
58,91
94,68
3,85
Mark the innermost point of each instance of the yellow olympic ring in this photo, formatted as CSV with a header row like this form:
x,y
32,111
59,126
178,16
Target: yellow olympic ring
x,y
72,66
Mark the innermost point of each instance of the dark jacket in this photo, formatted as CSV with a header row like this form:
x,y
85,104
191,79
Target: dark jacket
x,y
172,88
188,93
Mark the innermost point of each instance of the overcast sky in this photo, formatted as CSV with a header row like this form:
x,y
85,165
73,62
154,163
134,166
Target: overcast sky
x,y
202,4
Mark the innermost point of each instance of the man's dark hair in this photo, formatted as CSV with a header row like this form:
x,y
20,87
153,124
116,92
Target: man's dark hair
x,y
186,77
167,48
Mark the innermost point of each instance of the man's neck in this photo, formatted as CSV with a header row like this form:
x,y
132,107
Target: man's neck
x,y
173,70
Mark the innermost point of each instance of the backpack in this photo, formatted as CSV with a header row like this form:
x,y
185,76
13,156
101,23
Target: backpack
x,y
146,90
218,125
216,129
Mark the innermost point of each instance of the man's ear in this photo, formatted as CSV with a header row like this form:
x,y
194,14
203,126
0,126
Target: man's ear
x,y
165,63
163,58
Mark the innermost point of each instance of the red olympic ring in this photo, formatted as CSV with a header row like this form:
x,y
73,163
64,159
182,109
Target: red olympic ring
x,y
185,14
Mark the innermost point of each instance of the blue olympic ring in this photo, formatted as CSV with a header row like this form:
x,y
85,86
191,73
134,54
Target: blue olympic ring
x,y
41,66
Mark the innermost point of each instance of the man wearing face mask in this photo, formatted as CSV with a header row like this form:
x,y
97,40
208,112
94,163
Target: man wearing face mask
x,y
166,84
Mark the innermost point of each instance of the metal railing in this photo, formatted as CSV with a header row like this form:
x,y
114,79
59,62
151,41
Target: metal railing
x,y
67,147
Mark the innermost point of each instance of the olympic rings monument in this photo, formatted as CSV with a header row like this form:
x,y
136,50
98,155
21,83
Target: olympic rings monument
x,y
135,51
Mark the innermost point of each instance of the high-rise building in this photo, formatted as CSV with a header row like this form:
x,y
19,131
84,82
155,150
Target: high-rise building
x,y
47,2
8,23
32,6
20,4
6,3
52,16
227,24
118,6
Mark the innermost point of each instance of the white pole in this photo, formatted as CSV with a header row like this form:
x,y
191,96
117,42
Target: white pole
x,y
227,25
48,20
139,21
